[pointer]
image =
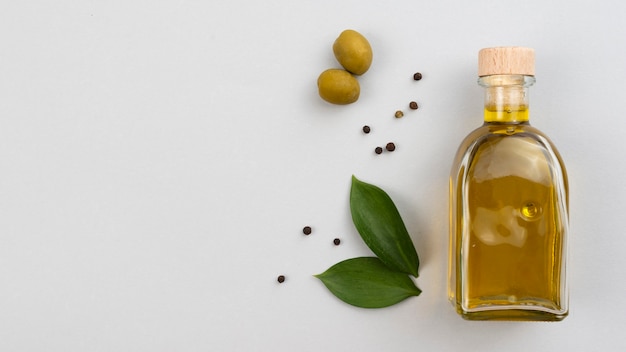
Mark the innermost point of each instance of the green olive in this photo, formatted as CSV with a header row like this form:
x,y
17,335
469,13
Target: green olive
x,y
338,86
353,52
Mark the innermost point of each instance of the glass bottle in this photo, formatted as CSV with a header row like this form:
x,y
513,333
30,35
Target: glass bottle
x,y
508,205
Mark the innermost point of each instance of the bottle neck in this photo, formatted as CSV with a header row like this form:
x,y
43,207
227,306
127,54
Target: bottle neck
x,y
506,98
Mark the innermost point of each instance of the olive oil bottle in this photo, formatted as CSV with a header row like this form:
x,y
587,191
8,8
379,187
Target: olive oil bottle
x,y
508,205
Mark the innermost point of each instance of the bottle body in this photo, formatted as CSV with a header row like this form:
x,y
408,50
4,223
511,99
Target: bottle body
x,y
508,220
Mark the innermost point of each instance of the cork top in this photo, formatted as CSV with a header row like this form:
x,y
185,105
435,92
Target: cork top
x,y
513,60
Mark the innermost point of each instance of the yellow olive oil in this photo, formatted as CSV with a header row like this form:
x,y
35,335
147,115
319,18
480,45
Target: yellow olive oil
x,y
507,113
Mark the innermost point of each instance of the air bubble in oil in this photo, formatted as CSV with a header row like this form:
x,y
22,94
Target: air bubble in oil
x,y
531,211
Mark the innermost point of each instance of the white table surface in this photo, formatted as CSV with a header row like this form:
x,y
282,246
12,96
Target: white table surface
x,y
158,160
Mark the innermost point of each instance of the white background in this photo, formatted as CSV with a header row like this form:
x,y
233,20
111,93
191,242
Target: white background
x,y
158,160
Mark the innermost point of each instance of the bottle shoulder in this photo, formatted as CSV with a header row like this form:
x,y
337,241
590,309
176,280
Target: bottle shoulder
x,y
510,142
493,132
496,129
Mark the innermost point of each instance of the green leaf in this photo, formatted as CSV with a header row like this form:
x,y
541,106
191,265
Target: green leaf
x,y
378,222
367,282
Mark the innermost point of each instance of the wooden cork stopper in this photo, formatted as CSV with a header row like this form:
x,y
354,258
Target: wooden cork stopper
x,y
513,60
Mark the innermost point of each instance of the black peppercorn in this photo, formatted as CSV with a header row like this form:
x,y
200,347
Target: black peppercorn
x,y
281,279
390,147
378,150
366,129
307,230
417,76
413,105
336,241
